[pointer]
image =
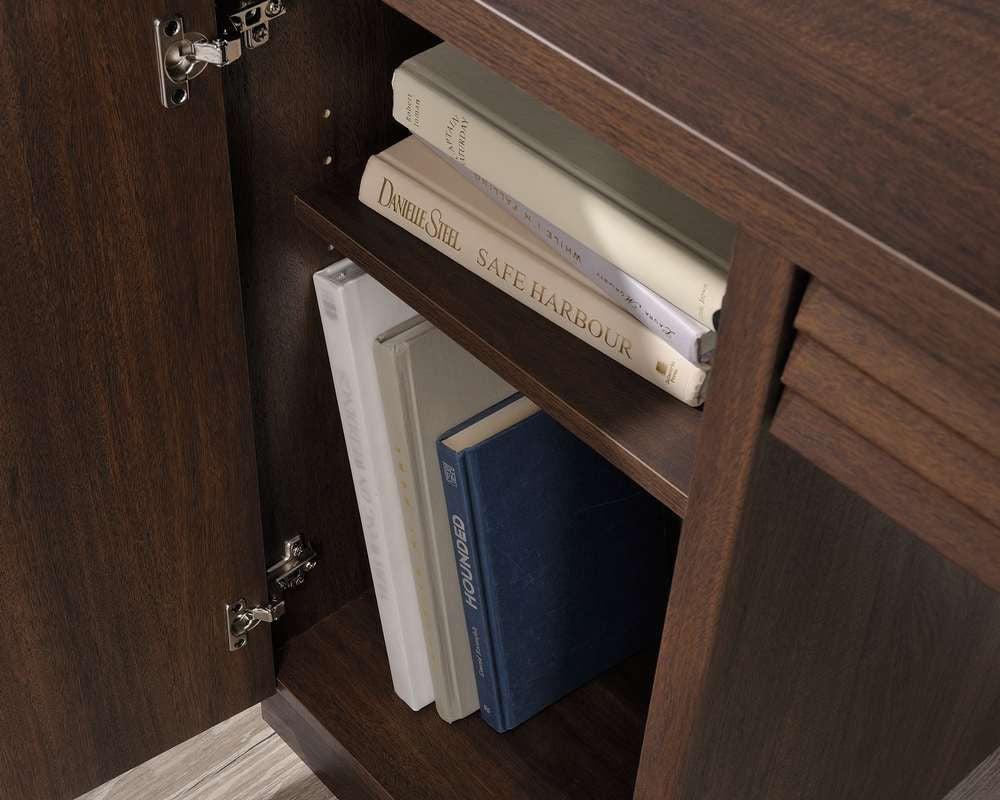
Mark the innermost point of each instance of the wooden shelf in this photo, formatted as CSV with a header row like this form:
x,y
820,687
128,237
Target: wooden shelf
x,y
372,745
643,431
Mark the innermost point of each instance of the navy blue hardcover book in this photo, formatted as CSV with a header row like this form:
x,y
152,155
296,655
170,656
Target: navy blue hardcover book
x,y
564,563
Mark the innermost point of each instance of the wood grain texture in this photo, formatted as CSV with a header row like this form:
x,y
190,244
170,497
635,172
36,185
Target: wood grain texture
x,y
759,302
239,759
945,524
882,187
128,513
935,374
855,662
279,138
636,426
983,783
918,441
335,690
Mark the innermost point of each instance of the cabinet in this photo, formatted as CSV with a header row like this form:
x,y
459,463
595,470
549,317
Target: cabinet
x,y
167,417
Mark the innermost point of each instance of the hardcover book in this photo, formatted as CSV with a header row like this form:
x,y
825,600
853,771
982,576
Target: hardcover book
x,y
669,243
429,384
564,563
354,309
694,341
413,187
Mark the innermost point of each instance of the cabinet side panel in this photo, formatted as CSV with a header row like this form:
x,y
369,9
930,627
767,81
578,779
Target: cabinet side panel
x,y
322,57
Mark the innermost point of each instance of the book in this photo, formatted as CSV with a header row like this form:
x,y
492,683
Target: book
x,y
354,309
410,185
669,243
563,562
429,384
694,341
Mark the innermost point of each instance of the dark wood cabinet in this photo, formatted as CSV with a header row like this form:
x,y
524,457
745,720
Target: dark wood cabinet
x,y
167,417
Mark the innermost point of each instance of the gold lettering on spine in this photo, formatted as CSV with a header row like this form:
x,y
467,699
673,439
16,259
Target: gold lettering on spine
x,y
561,307
432,223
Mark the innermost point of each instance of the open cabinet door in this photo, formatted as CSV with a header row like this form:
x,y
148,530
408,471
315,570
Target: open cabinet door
x,y
129,509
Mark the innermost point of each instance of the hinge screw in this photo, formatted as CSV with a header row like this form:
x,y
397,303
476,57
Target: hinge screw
x,y
297,550
275,7
260,34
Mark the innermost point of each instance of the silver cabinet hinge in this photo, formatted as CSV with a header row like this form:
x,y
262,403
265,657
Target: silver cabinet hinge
x,y
182,56
298,558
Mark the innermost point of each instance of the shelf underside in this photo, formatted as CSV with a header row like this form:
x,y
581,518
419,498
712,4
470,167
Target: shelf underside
x,y
636,426
365,742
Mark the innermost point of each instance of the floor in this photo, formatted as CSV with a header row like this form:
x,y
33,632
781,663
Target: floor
x,y
239,759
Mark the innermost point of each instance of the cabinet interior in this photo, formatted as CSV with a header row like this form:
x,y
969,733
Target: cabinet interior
x,y
328,109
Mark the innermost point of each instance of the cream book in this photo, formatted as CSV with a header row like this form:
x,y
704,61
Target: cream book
x,y
355,309
430,384
669,243
694,341
411,186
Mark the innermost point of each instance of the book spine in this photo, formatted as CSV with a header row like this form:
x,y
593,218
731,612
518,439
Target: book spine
x,y
446,693
357,436
662,264
535,282
470,578
683,332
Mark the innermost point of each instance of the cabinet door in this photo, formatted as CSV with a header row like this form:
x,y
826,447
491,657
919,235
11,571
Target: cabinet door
x,y
129,511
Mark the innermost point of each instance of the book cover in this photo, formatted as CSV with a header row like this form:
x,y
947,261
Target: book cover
x,y
564,563
411,185
354,309
429,384
665,240
694,341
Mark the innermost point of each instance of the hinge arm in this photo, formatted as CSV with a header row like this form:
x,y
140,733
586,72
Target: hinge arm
x,y
297,558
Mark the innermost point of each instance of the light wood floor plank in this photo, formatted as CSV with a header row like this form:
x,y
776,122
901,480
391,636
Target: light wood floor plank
x,y
239,759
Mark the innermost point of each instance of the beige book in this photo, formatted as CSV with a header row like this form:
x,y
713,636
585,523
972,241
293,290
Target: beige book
x,y
430,384
410,185
586,188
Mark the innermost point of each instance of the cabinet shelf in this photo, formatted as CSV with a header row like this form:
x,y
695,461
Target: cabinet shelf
x,y
365,740
643,431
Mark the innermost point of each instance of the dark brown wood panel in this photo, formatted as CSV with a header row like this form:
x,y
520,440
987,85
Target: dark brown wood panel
x,y
336,692
760,299
638,427
128,514
884,194
957,532
921,443
966,398
853,661
319,90
983,783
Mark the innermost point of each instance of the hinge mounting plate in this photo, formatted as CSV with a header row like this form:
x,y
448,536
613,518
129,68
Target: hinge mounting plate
x,y
182,56
298,557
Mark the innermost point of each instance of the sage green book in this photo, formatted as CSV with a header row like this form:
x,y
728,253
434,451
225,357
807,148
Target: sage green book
x,y
429,384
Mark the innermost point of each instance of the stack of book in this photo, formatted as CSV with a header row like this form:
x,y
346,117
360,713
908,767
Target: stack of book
x,y
511,563
563,223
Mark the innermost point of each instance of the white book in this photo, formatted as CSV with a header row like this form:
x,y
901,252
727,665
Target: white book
x,y
355,308
694,341
411,186
670,244
430,384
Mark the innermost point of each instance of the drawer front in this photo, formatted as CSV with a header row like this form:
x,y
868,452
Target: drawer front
x,y
917,438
